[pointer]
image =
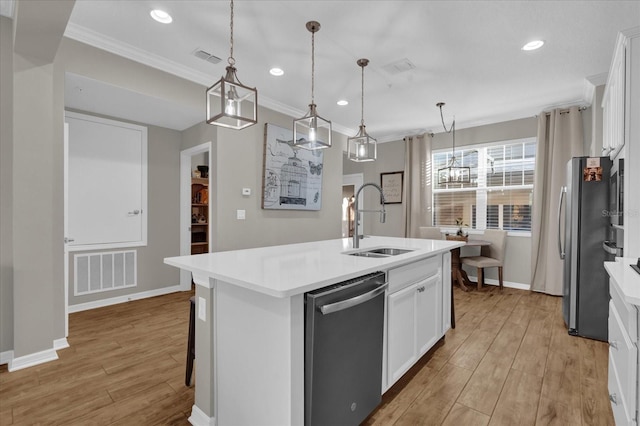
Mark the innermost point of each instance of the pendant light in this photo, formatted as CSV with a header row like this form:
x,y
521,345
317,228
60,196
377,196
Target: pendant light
x,y
230,103
312,131
362,147
452,173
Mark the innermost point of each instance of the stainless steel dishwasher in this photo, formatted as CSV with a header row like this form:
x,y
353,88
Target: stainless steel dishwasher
x,y
343,351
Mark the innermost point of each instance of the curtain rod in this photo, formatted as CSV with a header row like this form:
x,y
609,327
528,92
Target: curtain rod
x,y
566,110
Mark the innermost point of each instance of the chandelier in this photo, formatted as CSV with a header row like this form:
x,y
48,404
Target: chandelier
x,y
312,131
452,173
230,103
362,147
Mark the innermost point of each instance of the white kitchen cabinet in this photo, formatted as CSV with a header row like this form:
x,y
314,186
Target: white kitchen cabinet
x,y
414,314
428,313
623,341
623,365
401,328
621,127
613,103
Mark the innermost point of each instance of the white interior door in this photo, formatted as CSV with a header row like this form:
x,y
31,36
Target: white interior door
x,y
106,183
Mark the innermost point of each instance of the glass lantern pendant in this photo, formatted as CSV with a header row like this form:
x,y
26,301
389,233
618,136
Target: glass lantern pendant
x,y
362,147
452,172
230,103
312,131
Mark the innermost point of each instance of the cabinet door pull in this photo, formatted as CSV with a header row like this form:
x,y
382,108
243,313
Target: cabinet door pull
x,y
613,344
420,289
613,398
134,213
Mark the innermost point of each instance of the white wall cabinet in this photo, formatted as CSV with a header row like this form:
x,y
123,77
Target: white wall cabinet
x,y
414,314
621,127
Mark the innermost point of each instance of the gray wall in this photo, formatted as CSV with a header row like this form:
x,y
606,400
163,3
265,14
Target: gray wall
x,y
6,185
237,164
163,237
390,159
163,234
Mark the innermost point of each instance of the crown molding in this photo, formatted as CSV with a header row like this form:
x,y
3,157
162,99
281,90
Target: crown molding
x,y
100,41
95,39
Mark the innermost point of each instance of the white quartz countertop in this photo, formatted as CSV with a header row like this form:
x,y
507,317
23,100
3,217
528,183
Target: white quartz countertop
x,y
287,270
627,280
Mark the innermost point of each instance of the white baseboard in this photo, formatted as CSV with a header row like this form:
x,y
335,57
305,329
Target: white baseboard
x,y
6,357
60,344
199,418
32,359
122,299
491,281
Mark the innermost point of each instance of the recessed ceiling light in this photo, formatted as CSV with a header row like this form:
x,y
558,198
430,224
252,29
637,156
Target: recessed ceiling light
x,y
276,71
533,45
343,102
161,16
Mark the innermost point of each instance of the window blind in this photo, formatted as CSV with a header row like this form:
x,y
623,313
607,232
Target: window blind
x,y
500,193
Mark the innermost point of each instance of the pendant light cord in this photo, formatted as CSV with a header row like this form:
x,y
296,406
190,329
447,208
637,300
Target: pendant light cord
x,y
452,130
362,98
230,60
313,63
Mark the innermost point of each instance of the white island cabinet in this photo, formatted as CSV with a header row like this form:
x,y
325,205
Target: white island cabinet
x,y
414,320
249,366
624,287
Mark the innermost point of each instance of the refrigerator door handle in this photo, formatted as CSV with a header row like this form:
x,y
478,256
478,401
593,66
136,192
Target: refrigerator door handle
x,y
563,191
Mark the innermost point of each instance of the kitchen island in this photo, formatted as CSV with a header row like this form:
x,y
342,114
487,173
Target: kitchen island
x,y
250,319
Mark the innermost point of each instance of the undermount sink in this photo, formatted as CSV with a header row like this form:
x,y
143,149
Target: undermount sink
x,y
380,252
390,251
367,254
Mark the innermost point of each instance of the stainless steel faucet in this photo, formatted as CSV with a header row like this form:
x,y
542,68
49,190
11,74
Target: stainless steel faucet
x,y
383,213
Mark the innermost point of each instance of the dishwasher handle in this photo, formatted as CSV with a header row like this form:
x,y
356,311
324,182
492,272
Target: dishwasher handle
x,y
346,304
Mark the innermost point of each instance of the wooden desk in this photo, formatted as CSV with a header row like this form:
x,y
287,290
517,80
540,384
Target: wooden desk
x,y
457,273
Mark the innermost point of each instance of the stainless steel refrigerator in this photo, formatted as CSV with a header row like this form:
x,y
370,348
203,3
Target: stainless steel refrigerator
x,y
584,202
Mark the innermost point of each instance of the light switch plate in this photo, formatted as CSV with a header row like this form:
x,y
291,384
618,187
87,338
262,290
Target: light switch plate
x,y
240,214
202,309
246,191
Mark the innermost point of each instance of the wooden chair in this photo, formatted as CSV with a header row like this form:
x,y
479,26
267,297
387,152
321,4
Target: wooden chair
x,y
491,256
430,232
191,342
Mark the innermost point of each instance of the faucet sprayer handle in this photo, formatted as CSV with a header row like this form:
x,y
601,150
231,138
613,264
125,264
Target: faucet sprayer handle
x,y
383,216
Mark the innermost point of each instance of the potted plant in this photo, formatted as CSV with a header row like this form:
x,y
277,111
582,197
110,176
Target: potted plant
x,y
460,235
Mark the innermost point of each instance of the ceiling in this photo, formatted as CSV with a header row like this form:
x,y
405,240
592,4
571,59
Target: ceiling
x,y
465,53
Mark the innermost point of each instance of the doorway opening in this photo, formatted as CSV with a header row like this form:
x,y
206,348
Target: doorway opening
x,y
350,184
196,218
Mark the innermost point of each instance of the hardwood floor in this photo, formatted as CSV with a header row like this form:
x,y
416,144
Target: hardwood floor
x,y
125,366
508,362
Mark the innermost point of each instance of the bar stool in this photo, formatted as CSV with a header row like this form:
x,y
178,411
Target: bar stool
x,y
191,342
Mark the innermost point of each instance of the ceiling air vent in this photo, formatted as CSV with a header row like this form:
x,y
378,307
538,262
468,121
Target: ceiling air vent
x,y
206,56
399,66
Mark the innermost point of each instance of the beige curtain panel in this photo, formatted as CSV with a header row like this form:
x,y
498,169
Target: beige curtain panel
x,y
417,184
560,137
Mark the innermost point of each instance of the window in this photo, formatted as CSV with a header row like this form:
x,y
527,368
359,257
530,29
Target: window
x,y
500,193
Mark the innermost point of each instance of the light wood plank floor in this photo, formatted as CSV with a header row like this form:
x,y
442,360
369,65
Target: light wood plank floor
x,y
508,362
